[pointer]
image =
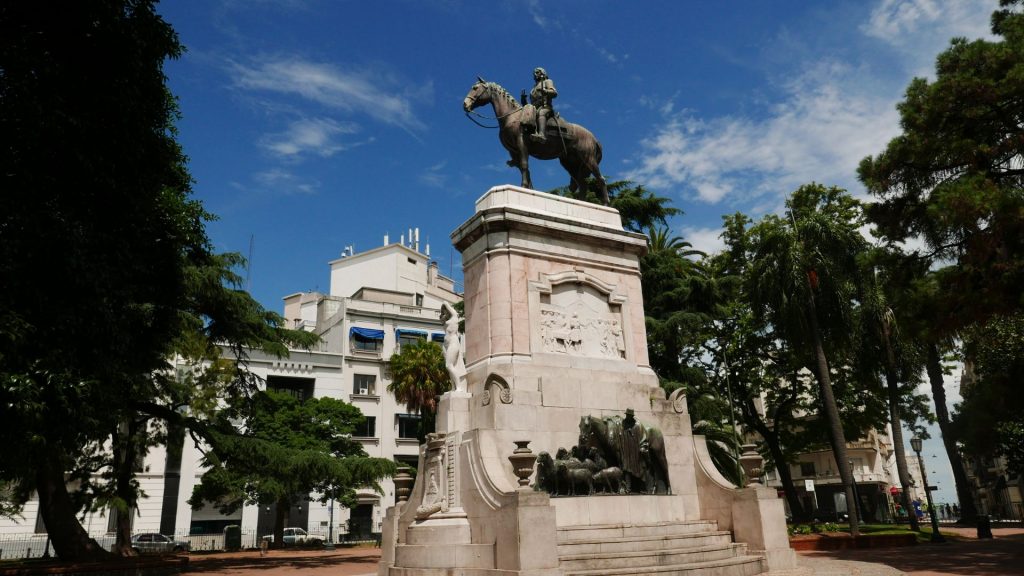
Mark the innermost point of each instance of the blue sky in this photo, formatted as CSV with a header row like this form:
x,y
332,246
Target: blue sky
x,y
314,124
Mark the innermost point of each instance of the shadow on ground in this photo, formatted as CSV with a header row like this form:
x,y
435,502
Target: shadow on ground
x,y
362,562
1001,556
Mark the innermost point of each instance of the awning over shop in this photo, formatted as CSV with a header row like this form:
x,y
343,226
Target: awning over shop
x,y
437,336
411,333
367,333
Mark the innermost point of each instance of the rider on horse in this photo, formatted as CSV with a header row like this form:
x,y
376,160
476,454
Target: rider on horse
x,y
541,96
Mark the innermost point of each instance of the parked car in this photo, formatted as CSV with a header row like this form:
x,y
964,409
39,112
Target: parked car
x,y
292,536
152,543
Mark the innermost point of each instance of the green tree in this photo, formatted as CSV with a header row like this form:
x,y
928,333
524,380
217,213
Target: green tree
x,y
639,208
418,379
748,360
883,340
106,267
954,177
289,449
93,248
990,418
804,281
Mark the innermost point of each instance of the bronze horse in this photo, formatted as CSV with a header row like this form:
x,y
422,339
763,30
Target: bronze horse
x,y
576,148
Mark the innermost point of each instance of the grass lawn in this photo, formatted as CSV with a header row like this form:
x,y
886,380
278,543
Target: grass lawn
x,y
925,535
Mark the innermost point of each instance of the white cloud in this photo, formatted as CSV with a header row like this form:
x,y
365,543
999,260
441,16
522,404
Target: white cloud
x,y
284,182
830,114
818,132
309,135
920,29
368,93
433,176
704,239
537,13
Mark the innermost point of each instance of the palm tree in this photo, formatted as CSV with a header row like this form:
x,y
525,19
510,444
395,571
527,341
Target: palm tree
x,y
804,278
710,418
883,329
418,379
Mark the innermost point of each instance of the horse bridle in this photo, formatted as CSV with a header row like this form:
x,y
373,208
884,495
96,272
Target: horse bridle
x,y
470,113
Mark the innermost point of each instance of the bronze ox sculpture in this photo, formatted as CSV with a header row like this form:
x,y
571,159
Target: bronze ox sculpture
x,y
614,455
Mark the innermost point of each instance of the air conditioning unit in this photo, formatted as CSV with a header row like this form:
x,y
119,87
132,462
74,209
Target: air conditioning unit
x,y
364,391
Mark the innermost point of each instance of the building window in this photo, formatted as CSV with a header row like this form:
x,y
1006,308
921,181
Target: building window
x,y
409,337
419,299
299,388
365,384
807,469
368,429
408,425
366,339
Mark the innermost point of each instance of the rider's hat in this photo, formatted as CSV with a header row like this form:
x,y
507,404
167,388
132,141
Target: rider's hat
x,y
539,70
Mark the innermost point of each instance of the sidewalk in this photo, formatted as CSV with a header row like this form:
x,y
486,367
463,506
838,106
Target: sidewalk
x,y
1000,556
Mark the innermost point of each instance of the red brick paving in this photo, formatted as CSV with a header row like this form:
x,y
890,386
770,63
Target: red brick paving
x,y
1003,555
1000,556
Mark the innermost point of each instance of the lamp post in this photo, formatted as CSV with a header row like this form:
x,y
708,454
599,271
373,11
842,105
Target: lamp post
x,y
915,443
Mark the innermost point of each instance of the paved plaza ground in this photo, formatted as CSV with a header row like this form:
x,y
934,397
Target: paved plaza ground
x,y
1001,556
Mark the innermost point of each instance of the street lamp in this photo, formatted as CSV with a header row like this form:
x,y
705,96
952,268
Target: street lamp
x,y
915,443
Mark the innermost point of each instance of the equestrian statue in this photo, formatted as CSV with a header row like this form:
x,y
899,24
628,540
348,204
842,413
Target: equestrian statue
x,y
534,129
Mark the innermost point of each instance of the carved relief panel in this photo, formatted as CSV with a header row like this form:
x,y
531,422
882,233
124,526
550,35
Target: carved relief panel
x,y
575,314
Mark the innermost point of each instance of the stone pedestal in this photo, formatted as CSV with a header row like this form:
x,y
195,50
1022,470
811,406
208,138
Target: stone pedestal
x,y
554,332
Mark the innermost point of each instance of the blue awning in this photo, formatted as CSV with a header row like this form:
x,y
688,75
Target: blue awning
x,y
367,333
437,336
407,332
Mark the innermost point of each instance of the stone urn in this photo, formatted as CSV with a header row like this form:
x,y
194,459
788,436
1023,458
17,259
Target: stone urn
x,y
522,460
752,464
403,483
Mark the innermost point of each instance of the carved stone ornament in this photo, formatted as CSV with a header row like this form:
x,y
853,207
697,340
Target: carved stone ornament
x,y
751,462
578,315
678,400
403,483
435,491
522,460
504,390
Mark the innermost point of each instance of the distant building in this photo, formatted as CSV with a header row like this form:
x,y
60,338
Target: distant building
x,y
998,492
379,300
873,463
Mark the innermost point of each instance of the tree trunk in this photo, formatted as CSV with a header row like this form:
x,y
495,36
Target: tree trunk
x,y
70,541
788,488
124,450
893,386
964,491
283,506
828,402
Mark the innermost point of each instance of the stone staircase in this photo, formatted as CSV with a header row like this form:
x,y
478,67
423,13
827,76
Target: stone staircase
x,y
665,549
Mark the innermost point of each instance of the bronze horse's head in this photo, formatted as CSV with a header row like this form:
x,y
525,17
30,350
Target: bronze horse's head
x,y
478,95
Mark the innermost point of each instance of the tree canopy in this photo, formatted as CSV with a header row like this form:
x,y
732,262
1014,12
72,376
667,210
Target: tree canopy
x,y
290,451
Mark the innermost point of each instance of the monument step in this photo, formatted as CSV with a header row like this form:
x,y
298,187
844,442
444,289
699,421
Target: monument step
x,y
445,556
641,543
604,531
737,566
612,560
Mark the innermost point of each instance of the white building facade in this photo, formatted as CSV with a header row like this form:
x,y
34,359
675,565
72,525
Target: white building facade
x,y
378,301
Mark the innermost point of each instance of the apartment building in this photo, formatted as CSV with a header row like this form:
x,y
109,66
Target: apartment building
x,y
379,300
